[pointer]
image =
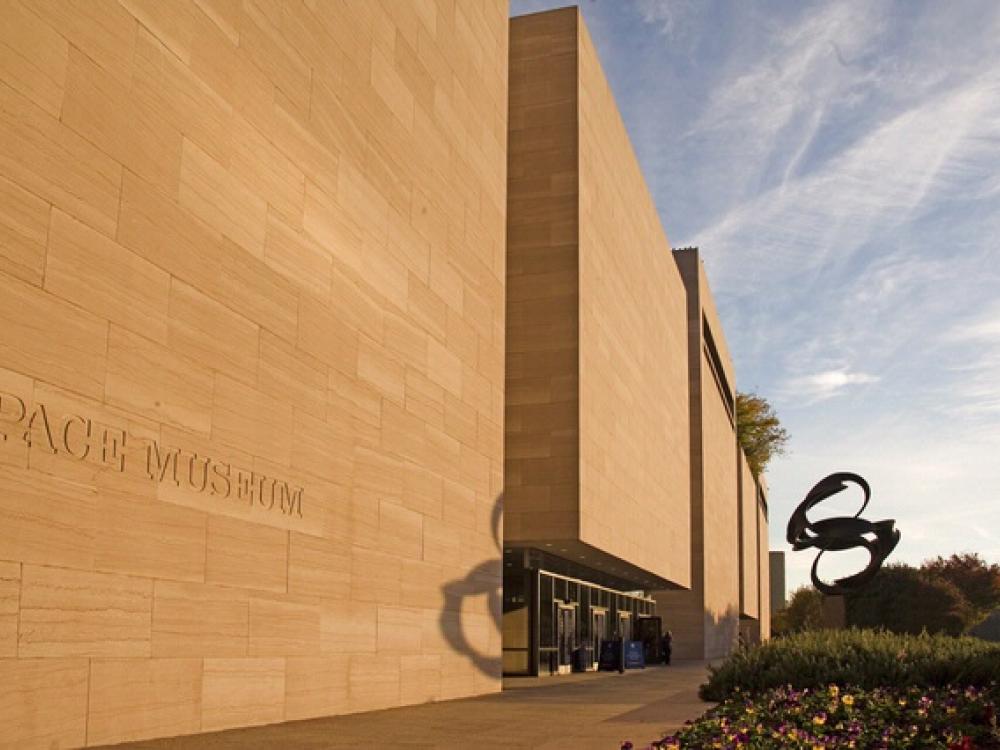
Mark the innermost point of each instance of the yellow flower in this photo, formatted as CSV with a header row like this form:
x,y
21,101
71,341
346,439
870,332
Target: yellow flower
x,y
819,719
950,710
834,690
848,700
902,701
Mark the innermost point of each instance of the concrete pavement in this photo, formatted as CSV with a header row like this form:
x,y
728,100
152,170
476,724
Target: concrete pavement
x,y
585,711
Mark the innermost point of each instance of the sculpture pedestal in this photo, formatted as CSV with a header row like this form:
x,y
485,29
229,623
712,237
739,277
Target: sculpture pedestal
x,y
834,613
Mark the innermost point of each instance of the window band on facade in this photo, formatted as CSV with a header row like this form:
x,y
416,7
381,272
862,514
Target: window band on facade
x,y
715,365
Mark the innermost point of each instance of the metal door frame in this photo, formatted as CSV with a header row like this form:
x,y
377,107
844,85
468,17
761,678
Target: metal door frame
x,y
561,607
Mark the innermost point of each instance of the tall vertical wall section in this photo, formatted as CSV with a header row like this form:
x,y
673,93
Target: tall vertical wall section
x,y
704,619
597,400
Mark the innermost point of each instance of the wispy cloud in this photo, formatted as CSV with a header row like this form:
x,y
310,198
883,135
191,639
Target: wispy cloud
x,y
980,329
870,188
787,80
973,343
668,16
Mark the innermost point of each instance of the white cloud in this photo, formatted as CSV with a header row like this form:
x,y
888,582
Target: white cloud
x,y
823,385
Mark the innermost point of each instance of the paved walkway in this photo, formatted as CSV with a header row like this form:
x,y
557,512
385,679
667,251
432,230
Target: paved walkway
x,y
575,712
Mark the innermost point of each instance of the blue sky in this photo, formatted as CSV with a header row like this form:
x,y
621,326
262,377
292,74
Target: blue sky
x,y
838,164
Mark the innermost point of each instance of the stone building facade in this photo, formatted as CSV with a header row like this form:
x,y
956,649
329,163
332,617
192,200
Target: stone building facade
x,y
315,318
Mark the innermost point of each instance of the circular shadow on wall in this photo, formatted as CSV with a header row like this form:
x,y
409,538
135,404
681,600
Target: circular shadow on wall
x,y
486,579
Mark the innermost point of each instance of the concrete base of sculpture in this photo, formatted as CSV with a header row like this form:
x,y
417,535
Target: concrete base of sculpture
x,y
834,613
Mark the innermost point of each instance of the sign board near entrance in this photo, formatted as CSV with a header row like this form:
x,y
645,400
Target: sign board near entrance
x,y
635,656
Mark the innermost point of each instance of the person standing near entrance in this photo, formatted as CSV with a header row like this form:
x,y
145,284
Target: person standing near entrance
x,y
620,642
668,639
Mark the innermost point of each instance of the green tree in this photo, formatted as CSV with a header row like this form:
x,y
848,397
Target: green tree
x,y
759,431
804,611
978,580
903,599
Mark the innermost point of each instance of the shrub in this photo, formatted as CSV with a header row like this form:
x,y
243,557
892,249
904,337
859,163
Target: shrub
x,y
865,658
906,600
848,717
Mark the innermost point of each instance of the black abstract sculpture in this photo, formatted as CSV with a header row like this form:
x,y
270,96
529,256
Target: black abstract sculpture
x,y
841,533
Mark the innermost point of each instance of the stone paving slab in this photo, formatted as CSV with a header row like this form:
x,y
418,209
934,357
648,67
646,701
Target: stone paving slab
x,y
583,712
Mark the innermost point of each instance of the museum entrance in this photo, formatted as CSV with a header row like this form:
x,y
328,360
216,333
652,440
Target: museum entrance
x,y
555,623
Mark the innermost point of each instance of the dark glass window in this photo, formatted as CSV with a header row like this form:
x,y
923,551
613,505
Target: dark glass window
x,y
514,591
546,624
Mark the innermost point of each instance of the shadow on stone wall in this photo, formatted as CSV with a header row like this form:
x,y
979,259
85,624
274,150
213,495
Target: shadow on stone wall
x,y
698,632
721,632
486,578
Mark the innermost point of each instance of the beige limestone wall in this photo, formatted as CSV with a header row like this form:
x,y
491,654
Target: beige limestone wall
x,y
252,280
749,552
634,447
541,496
597,405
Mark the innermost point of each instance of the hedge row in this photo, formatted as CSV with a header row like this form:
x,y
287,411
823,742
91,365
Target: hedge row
x,y
863,658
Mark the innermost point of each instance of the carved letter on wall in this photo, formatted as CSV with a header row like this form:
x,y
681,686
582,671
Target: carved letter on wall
x,y
12,410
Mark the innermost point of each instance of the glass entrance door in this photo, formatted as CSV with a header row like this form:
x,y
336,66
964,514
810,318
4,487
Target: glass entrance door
x,y
566,636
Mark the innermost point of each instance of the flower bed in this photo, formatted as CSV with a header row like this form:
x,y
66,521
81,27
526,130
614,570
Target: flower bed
x,y
859,689
948,718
